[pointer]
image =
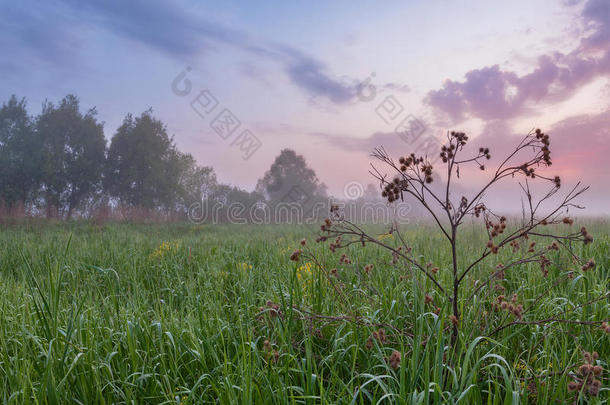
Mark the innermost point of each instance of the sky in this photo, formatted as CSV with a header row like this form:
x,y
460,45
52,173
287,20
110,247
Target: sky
x,y
236,82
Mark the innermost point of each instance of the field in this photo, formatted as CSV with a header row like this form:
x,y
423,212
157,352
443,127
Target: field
x,y
149,313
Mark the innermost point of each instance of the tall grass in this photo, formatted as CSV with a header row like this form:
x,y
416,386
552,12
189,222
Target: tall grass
x,y
112,314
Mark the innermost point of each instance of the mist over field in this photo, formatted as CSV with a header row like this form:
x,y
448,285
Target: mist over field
x,y
304,203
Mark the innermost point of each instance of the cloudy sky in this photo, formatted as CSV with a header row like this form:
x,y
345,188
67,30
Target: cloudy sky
x,y
331,80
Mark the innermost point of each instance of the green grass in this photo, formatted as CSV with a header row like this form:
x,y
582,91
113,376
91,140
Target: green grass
x,y
103,315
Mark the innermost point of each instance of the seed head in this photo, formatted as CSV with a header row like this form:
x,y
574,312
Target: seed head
x,y
588,265
394,359
296,255
594,388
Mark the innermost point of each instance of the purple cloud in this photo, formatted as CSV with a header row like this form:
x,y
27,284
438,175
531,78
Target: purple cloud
x,y
492,93
597,15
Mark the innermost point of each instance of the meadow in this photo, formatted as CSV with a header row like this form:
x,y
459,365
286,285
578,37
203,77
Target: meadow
x,y
190,314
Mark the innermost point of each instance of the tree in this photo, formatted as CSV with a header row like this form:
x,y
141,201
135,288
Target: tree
x,y
143,166
20,153
290,180
232,204
197,182
73,147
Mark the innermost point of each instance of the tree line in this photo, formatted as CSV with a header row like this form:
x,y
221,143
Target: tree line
x,y
59,165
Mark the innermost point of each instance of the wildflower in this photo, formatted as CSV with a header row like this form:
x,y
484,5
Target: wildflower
x,y
381,335
368,268
296,255
164,249
499,274
385,236
512,306
245,266
303,242
427,171
518,311
587,373
588,265
544,263
587,238
273,309
304,271
394,359
594,388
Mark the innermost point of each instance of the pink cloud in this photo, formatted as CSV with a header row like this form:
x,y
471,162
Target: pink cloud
x,y
492,93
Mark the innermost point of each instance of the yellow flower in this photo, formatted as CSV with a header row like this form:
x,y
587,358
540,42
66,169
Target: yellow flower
x,y
304,271
244,266
164,249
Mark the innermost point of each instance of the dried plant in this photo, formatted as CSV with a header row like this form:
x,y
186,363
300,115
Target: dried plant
x,y
412,177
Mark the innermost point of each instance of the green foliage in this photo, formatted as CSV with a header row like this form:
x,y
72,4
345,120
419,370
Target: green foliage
x,y
59,162
144,167
290,170
197,182
180,314
20,154
73,148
